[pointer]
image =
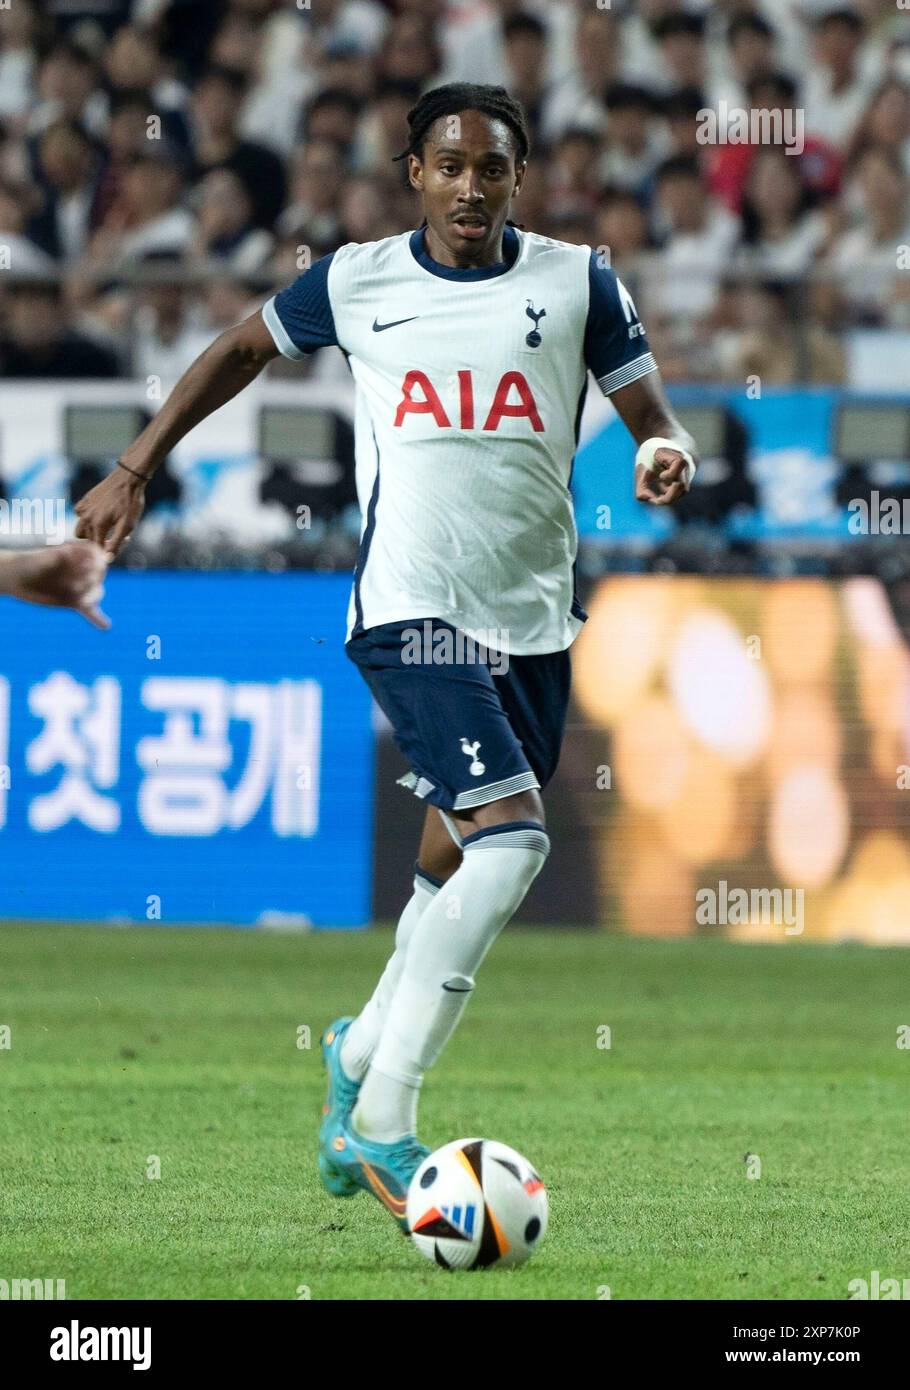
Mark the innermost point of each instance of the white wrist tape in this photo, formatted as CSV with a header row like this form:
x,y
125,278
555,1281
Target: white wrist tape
x,y
650,447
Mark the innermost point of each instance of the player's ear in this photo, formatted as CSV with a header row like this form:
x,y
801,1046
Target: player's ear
x,y
520,170
415,173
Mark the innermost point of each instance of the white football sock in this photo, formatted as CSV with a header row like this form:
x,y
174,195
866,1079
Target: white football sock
x,y
448,944
360,1041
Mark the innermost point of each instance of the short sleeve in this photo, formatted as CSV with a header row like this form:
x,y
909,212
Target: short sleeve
x,y
300,318
616,349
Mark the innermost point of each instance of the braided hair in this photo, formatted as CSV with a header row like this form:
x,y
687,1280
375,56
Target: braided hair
x,y
494,102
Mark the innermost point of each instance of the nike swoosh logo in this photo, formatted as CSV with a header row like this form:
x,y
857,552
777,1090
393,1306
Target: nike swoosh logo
x,y
453,989
396,1205
381,327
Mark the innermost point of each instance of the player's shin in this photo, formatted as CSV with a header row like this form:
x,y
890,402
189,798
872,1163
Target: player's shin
x,y
362,1037
447,947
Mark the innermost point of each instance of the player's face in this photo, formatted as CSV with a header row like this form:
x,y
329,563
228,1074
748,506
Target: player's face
x,y
467,177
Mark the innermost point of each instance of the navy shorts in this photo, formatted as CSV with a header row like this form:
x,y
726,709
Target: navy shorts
x,y
471,731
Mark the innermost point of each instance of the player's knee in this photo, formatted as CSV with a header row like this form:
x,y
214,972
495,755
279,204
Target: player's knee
x,y
521,848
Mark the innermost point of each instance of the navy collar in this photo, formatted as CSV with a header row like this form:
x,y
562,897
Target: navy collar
x,y
510,249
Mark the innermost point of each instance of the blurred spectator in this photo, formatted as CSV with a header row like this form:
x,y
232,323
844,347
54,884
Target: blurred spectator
x,y
643,59
836,91
317,179
573,180
167,332
381,133
216,143
332,115
782,234
108,14
69,170
821,163
133,61
873,287
577,100
751,43
224,228
526,52
410,52
148,214
364,210
69,90
682,113
698,239
225,302
19,31
635,144
39,342
357,24
768,345
21,256
885,122
127,135
345,68
681,38
622,226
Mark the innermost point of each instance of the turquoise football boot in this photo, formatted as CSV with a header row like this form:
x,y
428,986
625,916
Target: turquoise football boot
x,y
385,1170
341,1097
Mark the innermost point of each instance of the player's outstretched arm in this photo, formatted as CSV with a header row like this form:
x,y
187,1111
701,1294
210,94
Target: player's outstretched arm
x,y
65,576
109,512
662,471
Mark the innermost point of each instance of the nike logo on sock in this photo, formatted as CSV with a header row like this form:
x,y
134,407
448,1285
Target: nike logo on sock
x,y
456,989
381,327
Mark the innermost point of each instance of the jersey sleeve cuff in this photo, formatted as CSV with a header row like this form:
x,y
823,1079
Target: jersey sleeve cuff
x,y
640,366
279,333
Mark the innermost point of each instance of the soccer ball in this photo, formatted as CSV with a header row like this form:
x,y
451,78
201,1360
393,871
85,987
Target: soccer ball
x,y
476,1203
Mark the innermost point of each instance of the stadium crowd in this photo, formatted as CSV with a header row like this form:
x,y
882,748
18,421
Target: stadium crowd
x,y
166,164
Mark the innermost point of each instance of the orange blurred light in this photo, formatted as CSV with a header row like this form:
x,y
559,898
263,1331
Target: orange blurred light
x,y
699,823
806,730
809,826
799,630
651,754
721,692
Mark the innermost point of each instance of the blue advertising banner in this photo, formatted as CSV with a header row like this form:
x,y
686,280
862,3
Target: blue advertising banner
x,y
210,759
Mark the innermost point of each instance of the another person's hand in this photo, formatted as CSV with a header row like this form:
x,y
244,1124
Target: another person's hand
x,y
70,575
110,512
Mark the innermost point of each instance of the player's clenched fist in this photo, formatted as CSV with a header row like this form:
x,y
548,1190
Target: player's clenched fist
x,y
110,512
64,576
663,473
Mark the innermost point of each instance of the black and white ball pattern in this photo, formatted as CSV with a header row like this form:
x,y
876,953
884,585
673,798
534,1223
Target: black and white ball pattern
x,y
476,1203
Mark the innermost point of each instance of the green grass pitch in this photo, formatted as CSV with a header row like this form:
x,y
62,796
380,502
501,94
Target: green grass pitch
x,y
182,1044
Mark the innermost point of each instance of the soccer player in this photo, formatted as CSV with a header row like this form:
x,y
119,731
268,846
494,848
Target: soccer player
x,y
70,575
470,342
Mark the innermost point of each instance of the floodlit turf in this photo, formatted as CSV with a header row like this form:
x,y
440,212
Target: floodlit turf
x,y
182,1044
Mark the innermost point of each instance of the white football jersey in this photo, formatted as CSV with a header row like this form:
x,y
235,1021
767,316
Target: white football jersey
x,y
469,390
